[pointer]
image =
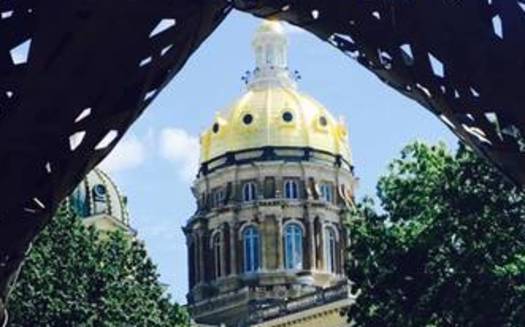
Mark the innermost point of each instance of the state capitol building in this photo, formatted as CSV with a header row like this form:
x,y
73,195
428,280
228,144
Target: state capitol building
x,y
266,245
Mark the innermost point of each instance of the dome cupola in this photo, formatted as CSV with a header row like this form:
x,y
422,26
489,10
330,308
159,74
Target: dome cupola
x,y
270,46
273,112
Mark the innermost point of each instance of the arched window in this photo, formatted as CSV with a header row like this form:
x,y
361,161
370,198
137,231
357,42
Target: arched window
x,y
330,249
291,189
79,202
293,247
217,255
218,197
327,192
251,250
269,55
100,193
100,199
249,192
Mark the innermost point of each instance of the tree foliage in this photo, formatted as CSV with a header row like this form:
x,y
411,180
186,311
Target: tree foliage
x,y
75,277
447,247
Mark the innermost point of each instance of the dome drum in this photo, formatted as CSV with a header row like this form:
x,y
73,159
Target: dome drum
x,y
220,191
274,153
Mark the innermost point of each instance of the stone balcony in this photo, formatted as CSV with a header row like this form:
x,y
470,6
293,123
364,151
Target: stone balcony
x,y
255,304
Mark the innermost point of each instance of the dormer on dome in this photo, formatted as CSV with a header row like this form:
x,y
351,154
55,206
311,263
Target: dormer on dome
x,y
272,112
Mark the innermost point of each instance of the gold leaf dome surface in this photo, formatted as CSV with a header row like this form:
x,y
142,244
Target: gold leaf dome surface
x,y
273,112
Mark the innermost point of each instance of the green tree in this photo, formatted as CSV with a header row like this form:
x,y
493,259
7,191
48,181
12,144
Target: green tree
x,y
447,247
75,277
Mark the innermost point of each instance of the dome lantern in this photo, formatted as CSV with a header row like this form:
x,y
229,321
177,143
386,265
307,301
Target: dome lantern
x,y
270,46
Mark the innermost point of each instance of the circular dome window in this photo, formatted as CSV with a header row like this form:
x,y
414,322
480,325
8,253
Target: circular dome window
x,y
323,121
247,119
100,192
287,116
216,128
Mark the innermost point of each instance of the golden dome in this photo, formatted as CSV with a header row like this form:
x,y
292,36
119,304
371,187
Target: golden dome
x,y
273,112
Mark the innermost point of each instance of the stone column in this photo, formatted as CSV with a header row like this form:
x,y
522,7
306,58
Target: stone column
x,y
311,232
196,270
263,239
190,244
343,243
280,251
322,265
200,259
223,251
233,247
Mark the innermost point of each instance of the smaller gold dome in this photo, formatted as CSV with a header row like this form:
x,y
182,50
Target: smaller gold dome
x,y
273,112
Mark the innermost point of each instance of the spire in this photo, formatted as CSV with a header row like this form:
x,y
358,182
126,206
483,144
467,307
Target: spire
x,y
270,45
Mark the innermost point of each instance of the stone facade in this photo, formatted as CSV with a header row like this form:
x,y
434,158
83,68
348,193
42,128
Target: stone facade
x,y
220,288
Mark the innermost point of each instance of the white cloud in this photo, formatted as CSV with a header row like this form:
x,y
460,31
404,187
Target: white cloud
x,y
128,154
178,146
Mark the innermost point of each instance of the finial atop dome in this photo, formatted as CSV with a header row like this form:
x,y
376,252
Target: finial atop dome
x,y
271,26
270,45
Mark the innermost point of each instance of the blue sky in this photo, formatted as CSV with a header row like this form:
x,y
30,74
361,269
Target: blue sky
x,y
156,161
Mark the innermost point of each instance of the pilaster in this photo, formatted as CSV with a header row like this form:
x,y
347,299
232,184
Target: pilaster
x,y
322,263
280,250
311,243
200,256
233,247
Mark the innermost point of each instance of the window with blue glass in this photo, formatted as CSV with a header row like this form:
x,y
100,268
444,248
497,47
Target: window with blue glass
x,y
99,192
291,189
251,250
330,249
293,246
79,202
249,192
100,199
327,192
